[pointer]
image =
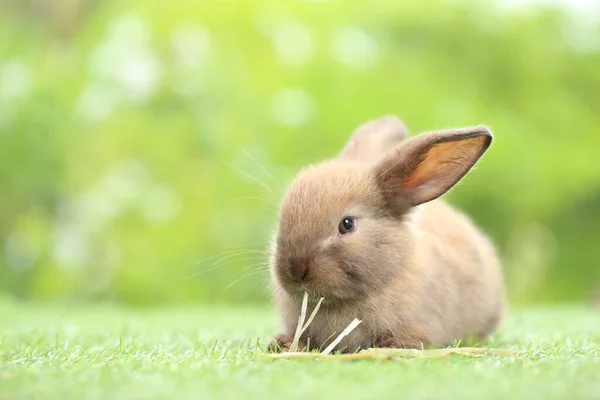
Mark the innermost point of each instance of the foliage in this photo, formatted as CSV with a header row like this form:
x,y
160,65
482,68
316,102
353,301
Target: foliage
x,y
133,134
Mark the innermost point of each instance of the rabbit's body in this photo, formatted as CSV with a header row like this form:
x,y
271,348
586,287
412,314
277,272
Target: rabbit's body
x,y
437,297
416,273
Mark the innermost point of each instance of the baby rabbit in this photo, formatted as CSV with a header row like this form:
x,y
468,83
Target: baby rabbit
x,y
368,232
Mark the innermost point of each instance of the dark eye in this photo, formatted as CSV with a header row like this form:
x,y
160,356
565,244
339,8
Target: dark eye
x,y
347,225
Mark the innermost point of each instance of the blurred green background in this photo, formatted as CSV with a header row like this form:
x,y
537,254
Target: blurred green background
x,y
134,134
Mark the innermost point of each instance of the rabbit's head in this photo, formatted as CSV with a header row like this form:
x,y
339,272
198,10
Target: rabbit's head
x,y
345,225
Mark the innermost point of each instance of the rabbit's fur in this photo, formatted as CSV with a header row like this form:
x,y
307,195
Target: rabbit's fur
x,y
415,270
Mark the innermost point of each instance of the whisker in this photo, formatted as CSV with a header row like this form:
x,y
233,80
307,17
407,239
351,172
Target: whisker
x,y
253,178
263,266
229,259
236,260
231,252
256,198
243,277
269,202
219,263
263,168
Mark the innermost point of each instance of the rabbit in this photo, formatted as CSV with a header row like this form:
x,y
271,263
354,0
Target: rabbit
x,y
368,231
373,138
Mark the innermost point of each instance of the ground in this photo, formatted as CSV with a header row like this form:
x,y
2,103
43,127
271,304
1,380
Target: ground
x,y
101,352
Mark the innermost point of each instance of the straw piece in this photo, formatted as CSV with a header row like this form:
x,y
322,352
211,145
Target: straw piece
x,y
312,315
342,335
398,354
294,346
442,353
374,353
320,356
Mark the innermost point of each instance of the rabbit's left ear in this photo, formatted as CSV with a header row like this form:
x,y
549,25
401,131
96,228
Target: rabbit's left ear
x,y
427,166
373,139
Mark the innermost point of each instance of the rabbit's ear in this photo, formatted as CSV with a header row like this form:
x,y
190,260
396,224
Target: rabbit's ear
x,y
427,166
373,139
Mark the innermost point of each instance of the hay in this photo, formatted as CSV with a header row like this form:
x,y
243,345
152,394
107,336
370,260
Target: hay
x,y
294,346
300,328
341,336
373,353
399,354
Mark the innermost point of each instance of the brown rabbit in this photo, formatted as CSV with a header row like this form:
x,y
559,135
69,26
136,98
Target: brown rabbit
x,y
368,232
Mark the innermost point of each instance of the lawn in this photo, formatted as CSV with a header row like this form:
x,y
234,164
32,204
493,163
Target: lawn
x,y
54,352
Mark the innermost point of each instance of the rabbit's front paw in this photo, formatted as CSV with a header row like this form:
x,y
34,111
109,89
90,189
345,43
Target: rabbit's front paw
x,y
389,341
282,342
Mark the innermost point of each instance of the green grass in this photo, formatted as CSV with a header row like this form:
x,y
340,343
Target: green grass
x,y
52,352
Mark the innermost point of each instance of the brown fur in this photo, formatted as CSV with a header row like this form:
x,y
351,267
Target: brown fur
x,y
416,271
370,140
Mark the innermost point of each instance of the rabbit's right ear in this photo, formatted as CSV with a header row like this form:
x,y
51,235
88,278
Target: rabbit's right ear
x,y
373,139
427,166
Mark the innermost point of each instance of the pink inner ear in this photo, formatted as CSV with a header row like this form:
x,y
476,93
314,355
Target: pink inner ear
x,y
443,164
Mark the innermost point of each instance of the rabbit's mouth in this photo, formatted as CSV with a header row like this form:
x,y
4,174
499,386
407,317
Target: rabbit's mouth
x,y
316,291
314,297
297,290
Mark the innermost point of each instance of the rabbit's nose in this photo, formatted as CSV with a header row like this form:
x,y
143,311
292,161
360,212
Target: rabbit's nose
x,y
299,267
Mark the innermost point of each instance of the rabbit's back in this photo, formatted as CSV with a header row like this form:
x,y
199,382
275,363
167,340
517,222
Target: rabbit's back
x,y
461,278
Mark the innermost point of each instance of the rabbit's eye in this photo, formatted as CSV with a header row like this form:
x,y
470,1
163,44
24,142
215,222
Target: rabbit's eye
x,y
347,225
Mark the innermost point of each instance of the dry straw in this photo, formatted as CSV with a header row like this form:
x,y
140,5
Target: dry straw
x,y
373,353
